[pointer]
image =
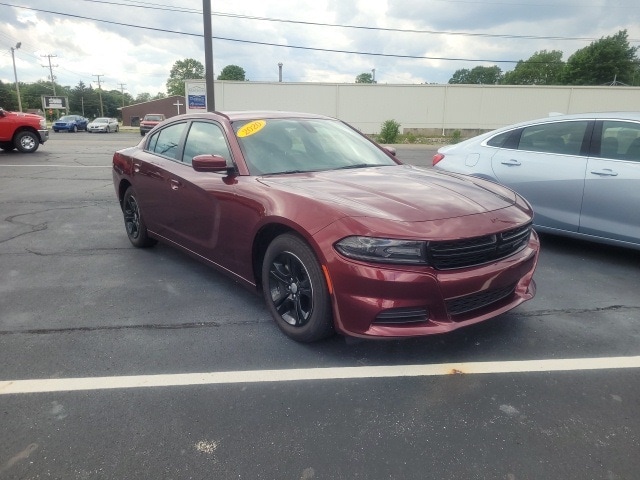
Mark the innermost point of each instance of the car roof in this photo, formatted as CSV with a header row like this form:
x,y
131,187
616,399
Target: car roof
x,y
237,115
579,116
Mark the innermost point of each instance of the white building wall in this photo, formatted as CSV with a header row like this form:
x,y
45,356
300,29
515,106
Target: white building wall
x,y
440,108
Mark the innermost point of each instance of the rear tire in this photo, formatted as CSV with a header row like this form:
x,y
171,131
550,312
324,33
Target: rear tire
x,y
295,290
133,221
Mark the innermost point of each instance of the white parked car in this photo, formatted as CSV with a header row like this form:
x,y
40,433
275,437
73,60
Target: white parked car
x,y
581,173
103,124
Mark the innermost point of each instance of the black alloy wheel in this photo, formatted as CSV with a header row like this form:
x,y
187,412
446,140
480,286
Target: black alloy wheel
x,y
133,222
295,290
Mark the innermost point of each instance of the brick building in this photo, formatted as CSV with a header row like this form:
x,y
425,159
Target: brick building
x,y
170,107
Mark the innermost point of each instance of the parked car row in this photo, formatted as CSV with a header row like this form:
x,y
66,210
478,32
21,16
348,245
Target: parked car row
x,y
75,123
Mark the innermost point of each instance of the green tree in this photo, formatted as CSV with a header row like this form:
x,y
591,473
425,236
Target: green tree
x,y
143,97
232,72
365,78
477,75
8,96
542,68
603,61
181,71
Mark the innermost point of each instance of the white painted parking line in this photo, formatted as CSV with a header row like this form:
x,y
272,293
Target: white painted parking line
x,y
292,375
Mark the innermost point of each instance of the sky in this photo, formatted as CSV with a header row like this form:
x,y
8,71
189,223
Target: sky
x,y
131,45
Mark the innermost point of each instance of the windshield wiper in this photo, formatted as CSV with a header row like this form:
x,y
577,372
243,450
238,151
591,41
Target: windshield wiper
x,y
286,172
358,165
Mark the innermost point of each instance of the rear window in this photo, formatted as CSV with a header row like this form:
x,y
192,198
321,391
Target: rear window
x,y
499,140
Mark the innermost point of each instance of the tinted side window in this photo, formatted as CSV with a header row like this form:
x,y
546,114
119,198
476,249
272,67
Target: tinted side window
x,y
499,140
620,140
563,138
166,141
205,138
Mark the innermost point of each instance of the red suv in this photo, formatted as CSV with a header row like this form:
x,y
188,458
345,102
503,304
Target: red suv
x,y
24,131
149,121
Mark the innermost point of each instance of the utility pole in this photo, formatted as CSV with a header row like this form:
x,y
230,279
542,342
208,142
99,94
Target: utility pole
x,y
15,74
53,83
100,93
208,54
122,85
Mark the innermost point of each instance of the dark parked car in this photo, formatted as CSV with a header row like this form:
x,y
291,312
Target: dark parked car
x,y
70,123
580,172
334,231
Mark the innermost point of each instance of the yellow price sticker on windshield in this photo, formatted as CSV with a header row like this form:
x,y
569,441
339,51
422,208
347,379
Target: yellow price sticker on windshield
x,y
251,128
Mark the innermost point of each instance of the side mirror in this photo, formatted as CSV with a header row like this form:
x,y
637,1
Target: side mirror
x,y
210,163
390,150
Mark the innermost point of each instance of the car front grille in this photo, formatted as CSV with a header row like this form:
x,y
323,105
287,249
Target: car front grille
x,y
475,301
478,250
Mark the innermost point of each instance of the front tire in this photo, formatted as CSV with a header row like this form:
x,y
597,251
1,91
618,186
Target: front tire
x,y
27,142
133,222
73,129
295,290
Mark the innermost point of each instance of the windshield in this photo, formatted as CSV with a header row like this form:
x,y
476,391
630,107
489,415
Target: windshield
x,y
101,120
305,145
67,118
153,118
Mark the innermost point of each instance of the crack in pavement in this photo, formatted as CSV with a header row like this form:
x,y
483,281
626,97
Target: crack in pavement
x,y
34,228
146,326
184,326
572,311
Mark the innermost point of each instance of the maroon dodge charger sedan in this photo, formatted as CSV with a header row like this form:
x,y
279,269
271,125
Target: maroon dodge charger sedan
x,y
333,230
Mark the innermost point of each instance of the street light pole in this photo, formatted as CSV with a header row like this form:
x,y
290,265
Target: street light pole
x,y
15,74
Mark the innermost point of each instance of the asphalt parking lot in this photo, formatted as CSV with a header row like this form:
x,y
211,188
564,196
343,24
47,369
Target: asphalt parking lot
x,y
119,363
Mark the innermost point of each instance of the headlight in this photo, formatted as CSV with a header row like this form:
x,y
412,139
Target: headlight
x,y
43,124
383,250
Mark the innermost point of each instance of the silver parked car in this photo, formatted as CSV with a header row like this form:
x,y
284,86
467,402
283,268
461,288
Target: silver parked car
x,y
103,124
581,173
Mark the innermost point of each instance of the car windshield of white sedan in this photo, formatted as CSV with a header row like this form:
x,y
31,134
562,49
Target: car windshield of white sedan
x,y
305,145
101,120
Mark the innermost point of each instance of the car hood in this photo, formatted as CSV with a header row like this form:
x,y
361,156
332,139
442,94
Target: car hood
x,y
400,193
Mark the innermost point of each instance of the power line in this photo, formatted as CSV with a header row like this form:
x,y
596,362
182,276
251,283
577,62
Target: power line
x,y
155,6
315,49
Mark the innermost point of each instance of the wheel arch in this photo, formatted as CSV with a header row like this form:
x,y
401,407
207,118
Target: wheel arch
x,y
265,236
25,128
122,188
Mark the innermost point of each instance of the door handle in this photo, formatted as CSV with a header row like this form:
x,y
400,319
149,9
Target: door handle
x,y
175,184
511,163
605,172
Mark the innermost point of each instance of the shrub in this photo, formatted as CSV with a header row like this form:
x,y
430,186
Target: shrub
x,y
456,136
389,132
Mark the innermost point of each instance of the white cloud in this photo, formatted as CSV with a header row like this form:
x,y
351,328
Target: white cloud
x,y
141,58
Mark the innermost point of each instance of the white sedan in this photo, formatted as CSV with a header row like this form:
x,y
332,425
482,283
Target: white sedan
x,y
581,173
103,124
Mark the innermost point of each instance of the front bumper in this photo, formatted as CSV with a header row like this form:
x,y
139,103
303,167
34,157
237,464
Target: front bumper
x,y
44,135
397,301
